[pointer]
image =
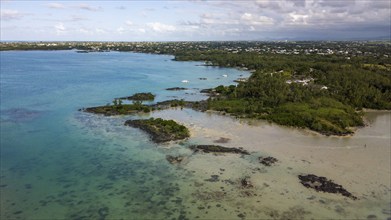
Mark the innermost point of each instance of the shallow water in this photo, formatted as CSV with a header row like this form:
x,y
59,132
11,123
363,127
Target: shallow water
x,y
359,163
59,163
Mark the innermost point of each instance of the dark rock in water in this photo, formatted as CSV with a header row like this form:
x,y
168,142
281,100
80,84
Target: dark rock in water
x,y
267,161
322,184
176,88
213,178
222,140
161,130
246,183
174,160
28,186
143,96
202,78
217,149
241,215
371,217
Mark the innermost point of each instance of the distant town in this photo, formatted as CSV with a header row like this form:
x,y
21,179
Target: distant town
x,y
340,48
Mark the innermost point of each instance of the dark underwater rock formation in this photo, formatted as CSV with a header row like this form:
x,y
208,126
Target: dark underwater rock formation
x,y
174,159
123,109
267,161
143,96
322,184
217,149
176,89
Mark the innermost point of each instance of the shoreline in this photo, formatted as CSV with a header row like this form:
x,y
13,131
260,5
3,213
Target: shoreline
x,y
375,110
356,164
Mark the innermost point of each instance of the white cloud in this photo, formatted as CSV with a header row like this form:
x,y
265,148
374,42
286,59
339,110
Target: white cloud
x,y
298,18
100,31
77,18
337,3
121,30
208,19
56,6
60,28
251,19
86,31
121,7
129,23
159,27
7,15
88,7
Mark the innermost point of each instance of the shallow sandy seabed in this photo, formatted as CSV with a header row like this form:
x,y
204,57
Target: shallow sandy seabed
x,y
361,164
111,171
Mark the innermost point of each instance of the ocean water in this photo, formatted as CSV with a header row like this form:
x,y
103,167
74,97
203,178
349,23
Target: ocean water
x,y
60,163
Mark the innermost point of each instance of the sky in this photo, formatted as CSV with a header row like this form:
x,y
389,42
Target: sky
x,y
194,20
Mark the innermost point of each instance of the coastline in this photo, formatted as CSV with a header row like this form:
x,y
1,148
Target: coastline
x,y
276,194
356,164
375,110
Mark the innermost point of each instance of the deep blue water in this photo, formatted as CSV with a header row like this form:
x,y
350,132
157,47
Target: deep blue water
x,y
59,163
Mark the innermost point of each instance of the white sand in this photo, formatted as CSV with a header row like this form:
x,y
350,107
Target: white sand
x,y
361,164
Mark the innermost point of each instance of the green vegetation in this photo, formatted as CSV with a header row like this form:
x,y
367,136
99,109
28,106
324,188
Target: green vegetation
x,y
324,115
161,130
329,102
119,109
177,103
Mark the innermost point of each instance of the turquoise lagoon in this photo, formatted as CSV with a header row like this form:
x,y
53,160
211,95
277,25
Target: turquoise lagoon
x,y
60,163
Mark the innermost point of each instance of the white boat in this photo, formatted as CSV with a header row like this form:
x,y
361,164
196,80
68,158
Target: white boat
x,y
225,75
185,81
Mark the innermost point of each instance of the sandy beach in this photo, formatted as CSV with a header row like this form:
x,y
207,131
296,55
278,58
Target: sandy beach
x,y
359,163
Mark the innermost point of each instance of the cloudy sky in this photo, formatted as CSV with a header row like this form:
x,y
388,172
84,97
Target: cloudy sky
x,y
194,20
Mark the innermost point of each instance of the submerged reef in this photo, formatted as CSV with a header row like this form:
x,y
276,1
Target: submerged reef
x,y
119,109
322,184
174,159
217,149
267,161
176,88
143,96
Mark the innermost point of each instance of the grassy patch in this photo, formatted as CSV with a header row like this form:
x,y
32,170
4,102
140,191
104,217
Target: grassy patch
x,y
161,130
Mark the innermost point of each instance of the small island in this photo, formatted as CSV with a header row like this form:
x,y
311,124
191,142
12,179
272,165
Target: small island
x,y
160,130
118,108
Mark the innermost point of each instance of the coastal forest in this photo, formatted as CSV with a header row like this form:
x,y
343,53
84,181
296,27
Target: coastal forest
x,y
323,93
323,86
